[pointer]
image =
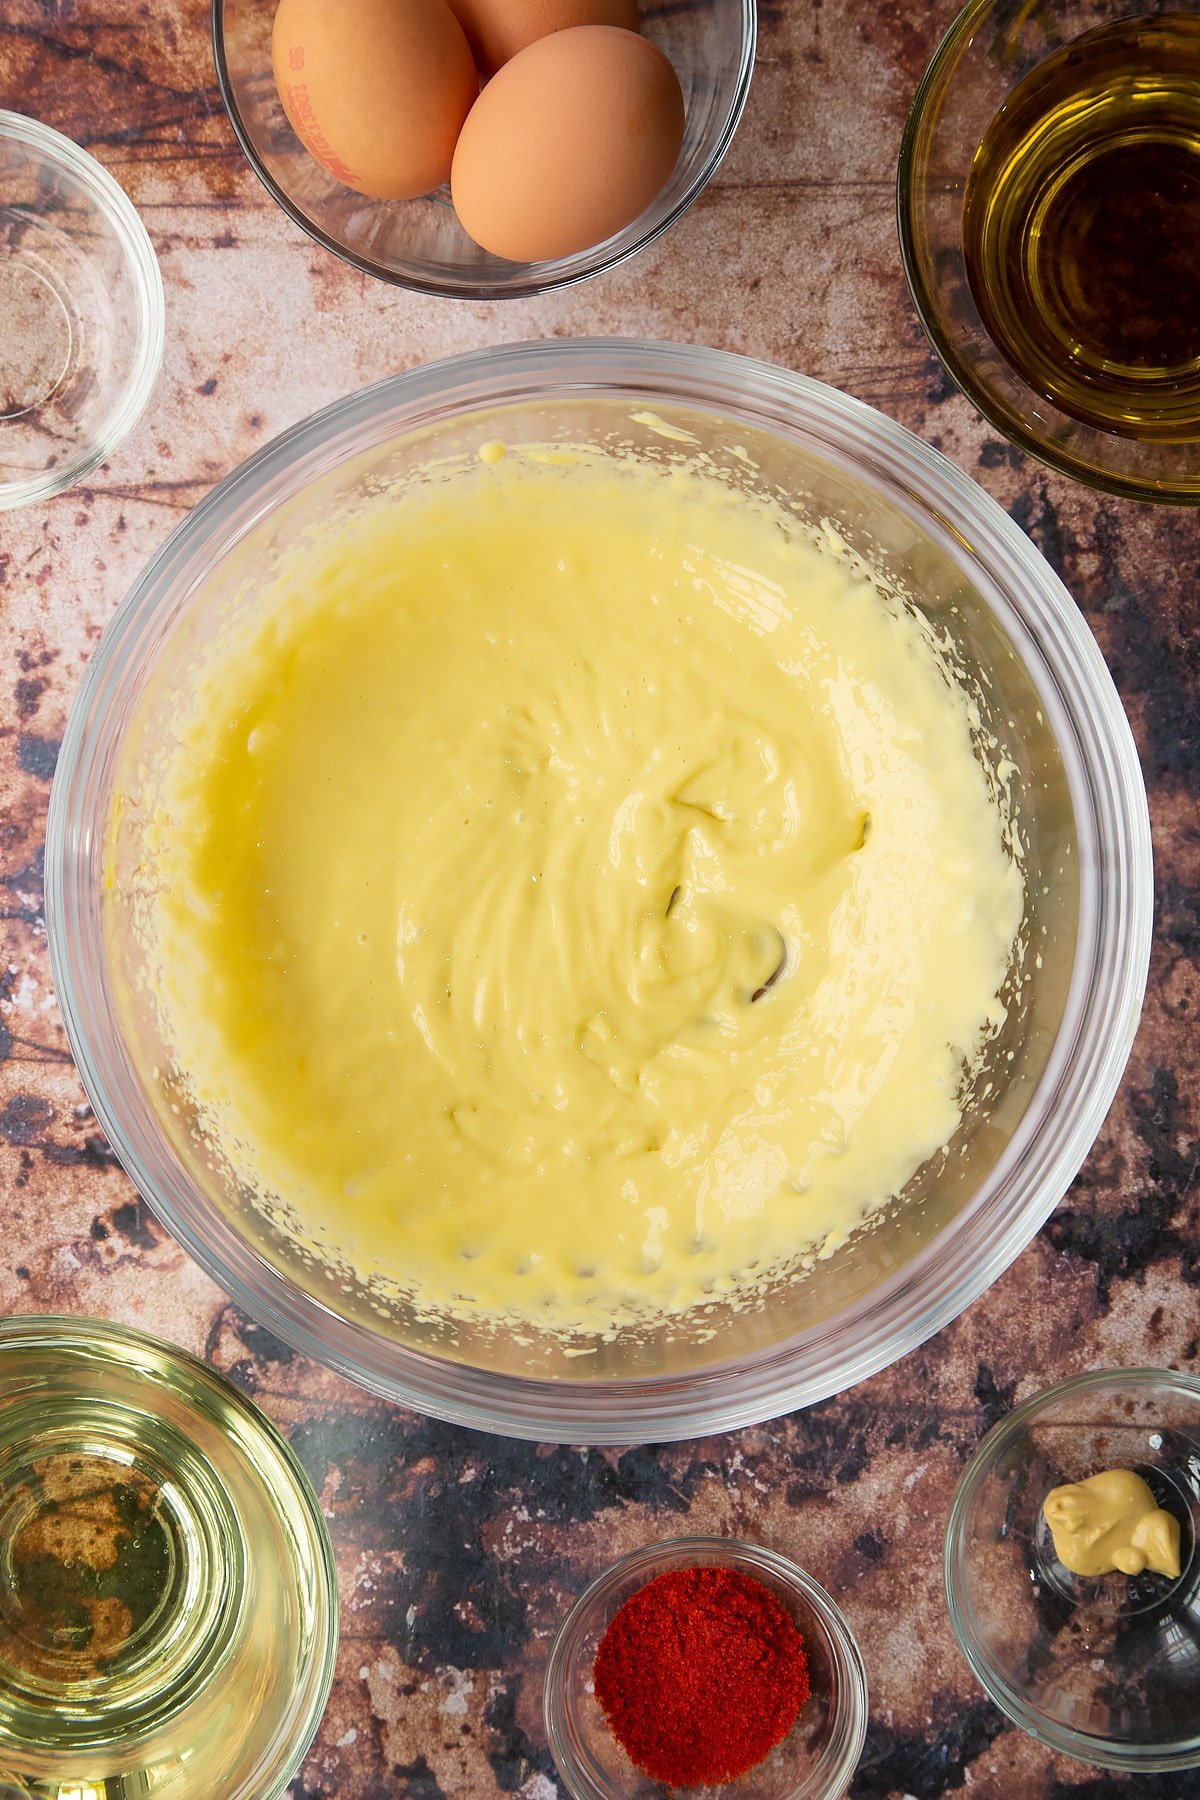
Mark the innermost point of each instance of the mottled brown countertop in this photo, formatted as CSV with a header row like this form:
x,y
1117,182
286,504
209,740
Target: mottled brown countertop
x,y
458,1553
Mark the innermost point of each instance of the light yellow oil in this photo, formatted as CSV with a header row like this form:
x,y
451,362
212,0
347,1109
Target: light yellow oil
x,y
166,1614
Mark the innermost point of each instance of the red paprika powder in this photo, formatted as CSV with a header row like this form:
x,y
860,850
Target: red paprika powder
x,y
700,1674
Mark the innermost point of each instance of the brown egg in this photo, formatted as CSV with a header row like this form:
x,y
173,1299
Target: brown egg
x,y
567,143
376,90
497,29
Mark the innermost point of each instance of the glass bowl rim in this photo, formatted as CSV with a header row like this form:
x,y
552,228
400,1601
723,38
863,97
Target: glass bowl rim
x,y
1106,991
1085,1746
728,1552
92,1334
110,200
456,289
1151,490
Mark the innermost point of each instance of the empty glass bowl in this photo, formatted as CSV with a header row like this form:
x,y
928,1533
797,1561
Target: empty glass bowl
x,y
814,1762
419,243
990,49
1105,1668
81,313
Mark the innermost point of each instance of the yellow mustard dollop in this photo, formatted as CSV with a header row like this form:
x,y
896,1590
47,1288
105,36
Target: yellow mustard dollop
x,y
1112,1522
575,892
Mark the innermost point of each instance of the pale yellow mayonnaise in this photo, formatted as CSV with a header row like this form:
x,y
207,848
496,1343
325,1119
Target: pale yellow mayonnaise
x,y
577,894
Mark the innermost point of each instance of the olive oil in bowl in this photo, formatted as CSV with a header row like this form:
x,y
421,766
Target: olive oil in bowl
x,y
1081,228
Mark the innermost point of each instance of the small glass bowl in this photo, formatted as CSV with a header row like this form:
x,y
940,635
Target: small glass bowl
x,y
814,1762
987,52
168,1595
420,244
81,306
1106,1669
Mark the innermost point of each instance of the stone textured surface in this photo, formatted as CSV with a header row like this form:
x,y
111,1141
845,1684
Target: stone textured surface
x,y
458,1553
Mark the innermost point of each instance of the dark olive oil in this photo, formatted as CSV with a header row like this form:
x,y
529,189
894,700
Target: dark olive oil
x,y
1081,228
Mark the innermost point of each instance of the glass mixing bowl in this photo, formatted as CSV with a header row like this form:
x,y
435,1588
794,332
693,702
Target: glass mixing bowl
x,y
1042,688
420,244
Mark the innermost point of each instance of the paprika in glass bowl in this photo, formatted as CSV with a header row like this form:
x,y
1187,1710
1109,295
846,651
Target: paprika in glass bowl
x,y
816,1757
